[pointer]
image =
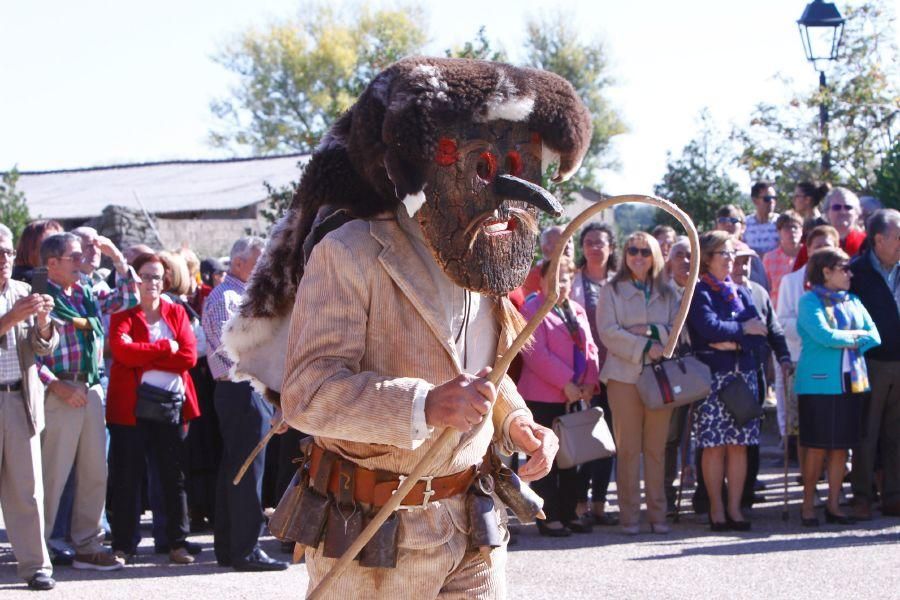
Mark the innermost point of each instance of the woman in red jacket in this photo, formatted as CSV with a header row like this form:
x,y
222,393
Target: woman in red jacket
x,y
153,347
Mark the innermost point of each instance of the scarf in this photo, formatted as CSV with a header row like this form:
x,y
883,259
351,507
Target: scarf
x,y
579,346
726,290
88,328
840,316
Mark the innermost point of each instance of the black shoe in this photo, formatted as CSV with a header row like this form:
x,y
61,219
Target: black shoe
x,y
733,525
61,557
259,561
578,526
161,548
811,522
606,520
41,582
553,531
287,548
838,519
717,526
193,548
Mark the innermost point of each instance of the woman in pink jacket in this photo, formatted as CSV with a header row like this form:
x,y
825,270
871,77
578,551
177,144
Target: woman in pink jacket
x,y
559,369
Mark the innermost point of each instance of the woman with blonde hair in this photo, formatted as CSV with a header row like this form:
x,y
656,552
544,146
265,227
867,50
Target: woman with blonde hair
x,y
635,312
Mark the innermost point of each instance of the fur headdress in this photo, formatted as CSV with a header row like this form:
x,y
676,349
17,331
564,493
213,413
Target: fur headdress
x,y
375,156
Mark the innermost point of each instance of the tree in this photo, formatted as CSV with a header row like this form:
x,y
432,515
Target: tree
x,y
13,209
697,180
480,49
783,142
887,179
297,76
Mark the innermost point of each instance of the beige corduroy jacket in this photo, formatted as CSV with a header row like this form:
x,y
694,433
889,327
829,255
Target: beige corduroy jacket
x,y
368,331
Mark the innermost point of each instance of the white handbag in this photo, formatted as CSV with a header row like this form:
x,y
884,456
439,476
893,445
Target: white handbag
x,y
583,436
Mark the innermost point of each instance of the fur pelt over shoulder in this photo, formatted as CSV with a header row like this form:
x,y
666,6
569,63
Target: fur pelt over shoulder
x,y
376,153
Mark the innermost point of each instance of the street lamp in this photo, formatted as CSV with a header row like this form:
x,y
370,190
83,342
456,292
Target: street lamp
x,y
821,28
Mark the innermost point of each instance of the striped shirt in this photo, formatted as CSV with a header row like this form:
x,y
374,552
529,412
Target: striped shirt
x,y
10,371
777,265
66,358
222,303
762,237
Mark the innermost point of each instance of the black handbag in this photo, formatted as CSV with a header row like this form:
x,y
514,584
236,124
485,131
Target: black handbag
x,y
738,398
158,405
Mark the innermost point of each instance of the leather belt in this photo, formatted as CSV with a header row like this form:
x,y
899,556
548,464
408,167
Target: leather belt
x,y
377,487
13,386
76,377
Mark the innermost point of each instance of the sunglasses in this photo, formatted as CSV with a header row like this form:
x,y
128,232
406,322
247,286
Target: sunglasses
x,y
732,220
633,251
770,198
843,207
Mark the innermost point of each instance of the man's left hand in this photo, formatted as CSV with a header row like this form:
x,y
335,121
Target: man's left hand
x,y
538,442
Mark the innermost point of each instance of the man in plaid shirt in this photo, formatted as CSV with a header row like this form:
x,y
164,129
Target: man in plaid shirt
x,y
75,436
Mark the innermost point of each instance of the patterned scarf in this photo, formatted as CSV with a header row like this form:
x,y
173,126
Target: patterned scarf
x,y
727,290
579,345
840,316
88,328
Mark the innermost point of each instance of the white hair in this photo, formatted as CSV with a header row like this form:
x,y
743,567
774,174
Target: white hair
x,y
5,232
244,246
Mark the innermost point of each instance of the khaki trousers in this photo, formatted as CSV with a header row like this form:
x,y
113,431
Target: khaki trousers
x,y
21,488
638,430
449,571
75,438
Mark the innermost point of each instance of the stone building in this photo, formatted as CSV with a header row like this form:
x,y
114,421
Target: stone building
x,y
203,204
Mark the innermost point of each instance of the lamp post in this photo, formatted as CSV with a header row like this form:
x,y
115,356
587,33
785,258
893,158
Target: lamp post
x,y
821,28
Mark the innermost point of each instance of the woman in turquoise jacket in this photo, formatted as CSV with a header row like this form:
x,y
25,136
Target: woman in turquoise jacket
x,y
831,380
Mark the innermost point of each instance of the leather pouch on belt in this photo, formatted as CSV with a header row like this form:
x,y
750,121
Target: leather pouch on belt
x,y
345,519
314,503
521,499
484,533
285,515
381,550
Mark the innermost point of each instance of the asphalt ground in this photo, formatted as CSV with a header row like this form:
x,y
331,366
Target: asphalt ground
x,y
777,559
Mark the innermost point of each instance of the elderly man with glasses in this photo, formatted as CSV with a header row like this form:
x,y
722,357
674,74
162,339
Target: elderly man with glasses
x,y
75,436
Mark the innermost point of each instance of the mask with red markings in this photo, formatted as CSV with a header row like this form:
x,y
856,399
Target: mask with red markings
x,y
481,199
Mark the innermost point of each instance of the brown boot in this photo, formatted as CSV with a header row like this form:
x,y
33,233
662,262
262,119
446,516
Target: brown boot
x,y
862,509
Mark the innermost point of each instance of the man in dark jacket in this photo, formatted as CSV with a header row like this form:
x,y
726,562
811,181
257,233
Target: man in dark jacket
x,y
876,280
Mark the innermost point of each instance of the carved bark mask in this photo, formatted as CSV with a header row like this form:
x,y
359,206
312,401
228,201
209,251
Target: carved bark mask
x,y
480,204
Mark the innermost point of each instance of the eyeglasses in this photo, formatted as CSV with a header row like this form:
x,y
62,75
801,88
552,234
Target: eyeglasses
x,y
732,220
151,278
770,198
74,257
843,207
596,244
9,254
634,251
726,253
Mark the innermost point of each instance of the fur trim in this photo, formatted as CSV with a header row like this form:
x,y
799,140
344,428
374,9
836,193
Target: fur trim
x,y
413,202
257,347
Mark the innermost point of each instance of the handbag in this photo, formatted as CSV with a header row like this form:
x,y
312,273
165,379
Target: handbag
x,y
673,382
738,398
158,405
583,436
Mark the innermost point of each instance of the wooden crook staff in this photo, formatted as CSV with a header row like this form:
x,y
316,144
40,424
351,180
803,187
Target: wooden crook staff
x,y
503,362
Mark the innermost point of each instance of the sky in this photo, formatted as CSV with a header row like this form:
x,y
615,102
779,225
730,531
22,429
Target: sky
x,y
96,82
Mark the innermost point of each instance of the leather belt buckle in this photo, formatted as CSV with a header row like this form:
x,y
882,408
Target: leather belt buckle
x,y
426,494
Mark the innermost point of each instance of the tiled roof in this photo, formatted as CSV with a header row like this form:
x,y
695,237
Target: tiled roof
x,y
163,187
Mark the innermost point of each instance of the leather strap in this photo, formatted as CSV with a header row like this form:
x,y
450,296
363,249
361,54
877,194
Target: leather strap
x,y
377,487
662,380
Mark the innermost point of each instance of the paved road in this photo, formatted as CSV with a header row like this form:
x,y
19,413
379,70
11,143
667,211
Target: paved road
x,y
776,560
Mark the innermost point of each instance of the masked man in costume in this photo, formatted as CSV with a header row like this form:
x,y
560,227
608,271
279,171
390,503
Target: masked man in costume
x,y
415,217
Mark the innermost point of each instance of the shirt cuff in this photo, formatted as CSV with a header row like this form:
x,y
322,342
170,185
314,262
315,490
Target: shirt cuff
x,y
46,375
506,444
420,429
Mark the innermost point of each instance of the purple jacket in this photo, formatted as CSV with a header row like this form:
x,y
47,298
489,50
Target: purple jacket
x,y
548,362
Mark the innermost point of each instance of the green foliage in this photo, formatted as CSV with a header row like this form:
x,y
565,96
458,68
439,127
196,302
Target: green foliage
x,y
887,179
279,200
13,209
480,49
631,217
553,44
297,76
697,180
783,142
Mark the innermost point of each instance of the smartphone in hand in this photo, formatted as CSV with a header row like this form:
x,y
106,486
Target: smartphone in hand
x,y
39,280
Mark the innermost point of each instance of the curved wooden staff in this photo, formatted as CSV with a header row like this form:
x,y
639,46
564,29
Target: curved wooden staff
x,y
503,362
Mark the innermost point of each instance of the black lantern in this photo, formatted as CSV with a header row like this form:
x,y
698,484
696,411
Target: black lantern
x,y
821,29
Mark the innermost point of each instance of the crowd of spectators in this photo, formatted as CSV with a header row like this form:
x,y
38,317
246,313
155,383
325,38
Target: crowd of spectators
x,y
803,306
757,311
